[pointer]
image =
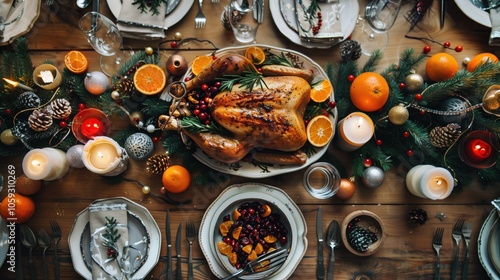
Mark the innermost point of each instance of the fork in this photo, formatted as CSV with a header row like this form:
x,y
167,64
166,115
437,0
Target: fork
x,y
266,261
215,1
437,242
466,232
457,236
56,236
200,18
190,236
48,2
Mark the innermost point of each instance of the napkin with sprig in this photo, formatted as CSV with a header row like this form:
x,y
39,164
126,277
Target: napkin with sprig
x,y
5,6
142,19
109,237
318,22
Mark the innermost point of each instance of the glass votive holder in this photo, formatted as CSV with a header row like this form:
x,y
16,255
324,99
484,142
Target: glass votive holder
x,y
479,149
322,180
89,123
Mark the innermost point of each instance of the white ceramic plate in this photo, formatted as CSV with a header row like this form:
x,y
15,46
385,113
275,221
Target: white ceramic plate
x,y
283,13
4,241
252,192
474,13
30,10
141,222
172,18
248,169
494,245
482,245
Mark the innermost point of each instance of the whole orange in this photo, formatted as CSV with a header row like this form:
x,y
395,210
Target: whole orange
x,y
369,91
441,66
27,186
176,179
17,208
480,59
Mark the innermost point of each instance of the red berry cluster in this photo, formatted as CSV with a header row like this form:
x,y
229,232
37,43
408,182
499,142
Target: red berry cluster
x,y
200,100
447,45
111,252
315,28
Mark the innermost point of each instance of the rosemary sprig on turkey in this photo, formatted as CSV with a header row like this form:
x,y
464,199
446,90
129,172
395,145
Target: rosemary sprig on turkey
x,y
246,80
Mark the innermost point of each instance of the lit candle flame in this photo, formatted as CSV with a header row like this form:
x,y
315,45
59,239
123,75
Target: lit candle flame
x,y
99,154
360,122
439,182
35,163
18,85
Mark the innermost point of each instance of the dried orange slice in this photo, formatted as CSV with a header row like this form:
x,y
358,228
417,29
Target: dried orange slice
x,y
199,63
319,131
255,54
150,79
224,227
76,62
224,248
321,91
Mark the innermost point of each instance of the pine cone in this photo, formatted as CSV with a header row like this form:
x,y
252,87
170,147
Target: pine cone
x,y
29,99
445,136
157,164
417,216
360,238
125,87
61,108
350,50
40,120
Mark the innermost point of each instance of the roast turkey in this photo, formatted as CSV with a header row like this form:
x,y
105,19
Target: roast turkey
x,y
267,117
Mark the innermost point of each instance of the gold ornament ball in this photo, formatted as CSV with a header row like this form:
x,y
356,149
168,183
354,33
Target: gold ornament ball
x,y
398,115
8,138
492,102
414,82
178,36
146,190
149,50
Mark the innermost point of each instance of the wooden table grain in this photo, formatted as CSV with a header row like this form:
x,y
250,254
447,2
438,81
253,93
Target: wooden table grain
x,y
406,253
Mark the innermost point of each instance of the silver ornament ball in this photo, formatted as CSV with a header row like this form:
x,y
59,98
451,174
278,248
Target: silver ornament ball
x,y
96,82
414,82
74,156
373,177
139,146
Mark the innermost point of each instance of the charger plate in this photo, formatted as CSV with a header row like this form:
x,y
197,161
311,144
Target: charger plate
x,y
24,24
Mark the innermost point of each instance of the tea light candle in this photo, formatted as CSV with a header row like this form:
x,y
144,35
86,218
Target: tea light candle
x,y
477,150
47,76
437,183
46,164
104,156
354,131
92,127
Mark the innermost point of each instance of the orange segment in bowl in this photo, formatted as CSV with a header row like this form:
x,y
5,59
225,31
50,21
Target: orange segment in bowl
x,y
224,248
224,227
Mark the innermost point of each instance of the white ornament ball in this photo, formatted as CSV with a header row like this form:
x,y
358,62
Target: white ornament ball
x,y
373,177
150,128
7,138
139,146
74,156
96,82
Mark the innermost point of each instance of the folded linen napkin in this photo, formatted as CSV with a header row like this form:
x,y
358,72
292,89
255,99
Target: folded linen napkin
x,y
103,234
495,25
141,25
5,6
330,28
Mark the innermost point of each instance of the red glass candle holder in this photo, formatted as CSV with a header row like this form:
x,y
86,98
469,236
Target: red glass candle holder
x,y
479,149
90,123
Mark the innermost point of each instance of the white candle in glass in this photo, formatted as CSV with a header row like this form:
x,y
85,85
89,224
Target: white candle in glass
x,y
354,131
46,164
413,178
103,155
437,183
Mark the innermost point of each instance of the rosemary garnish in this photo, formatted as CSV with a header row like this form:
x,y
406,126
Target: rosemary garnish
x,y
149,5
111,236
193,125
247,80
278,60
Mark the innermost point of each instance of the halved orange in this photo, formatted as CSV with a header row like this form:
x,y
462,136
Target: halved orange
x,y
319,131
321,91
224,227
76,62
255,55
150,79
199,63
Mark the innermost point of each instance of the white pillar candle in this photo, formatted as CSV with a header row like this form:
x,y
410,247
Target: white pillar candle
x,y
413,178
46,164
354,131
104,156
437,183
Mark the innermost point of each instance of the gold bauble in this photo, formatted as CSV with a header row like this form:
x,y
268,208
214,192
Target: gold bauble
x,y
178,36
398,114
149,50
137,116
492,102
414,82
7,138
146,190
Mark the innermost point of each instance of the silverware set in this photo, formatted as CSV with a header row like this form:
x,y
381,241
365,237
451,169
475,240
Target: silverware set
x,y
332,239
31,240
191,234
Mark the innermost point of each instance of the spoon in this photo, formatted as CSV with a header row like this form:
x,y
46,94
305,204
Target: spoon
x,y
332,239
28,239
44,242
83,3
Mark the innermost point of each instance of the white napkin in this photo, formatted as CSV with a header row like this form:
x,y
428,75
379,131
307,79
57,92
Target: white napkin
x,y
495,26
5,9
330,29
134,24
102,266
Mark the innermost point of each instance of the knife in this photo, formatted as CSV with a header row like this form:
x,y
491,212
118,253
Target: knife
x,y
320,269
178,274
441,14
169,248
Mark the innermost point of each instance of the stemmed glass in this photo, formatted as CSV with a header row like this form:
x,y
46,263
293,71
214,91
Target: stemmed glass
x,y
371,31
106,39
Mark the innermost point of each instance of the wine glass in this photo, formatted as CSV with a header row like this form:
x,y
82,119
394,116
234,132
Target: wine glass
x,y
371,31
106,39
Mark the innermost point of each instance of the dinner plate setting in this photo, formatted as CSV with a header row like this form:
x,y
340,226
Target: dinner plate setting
x,y
235,195
285,14
144,239
489,245
474,12
19,20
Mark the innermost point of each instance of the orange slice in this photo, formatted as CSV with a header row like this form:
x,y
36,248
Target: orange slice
x,y
237,232
224,227
259,249
224,248
255,55
247,248
76,62
267,210
319,131
233,258
321,91
252,256
150,79
236,214
270,238
199,63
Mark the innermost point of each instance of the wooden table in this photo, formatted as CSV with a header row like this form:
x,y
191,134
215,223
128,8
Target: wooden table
x,y
406,253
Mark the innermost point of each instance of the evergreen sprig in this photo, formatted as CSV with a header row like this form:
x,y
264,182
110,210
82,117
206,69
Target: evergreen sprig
x,y
274,59
246,80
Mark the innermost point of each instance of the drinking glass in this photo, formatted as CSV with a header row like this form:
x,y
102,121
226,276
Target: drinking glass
x,y
242,20
106,39
371,30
